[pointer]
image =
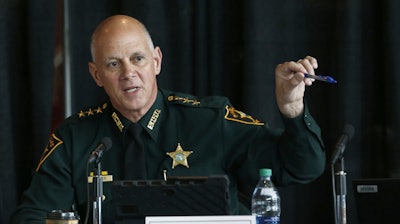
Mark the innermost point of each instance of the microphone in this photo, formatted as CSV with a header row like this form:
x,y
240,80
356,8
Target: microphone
x,y
105,145
348,132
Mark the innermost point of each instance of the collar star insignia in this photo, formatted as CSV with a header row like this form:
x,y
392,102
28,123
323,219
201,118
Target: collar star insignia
x,y
179,157
81,114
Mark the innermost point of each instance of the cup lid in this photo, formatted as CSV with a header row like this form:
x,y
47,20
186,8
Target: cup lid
x,y
60,214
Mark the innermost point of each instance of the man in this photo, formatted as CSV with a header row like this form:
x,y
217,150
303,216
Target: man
x,y
182,135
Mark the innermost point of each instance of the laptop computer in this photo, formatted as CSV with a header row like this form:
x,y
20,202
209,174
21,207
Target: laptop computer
x,y
377,200
177,196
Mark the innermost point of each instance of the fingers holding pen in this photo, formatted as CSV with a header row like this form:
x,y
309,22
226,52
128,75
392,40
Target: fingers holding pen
x,y
295,71
308,64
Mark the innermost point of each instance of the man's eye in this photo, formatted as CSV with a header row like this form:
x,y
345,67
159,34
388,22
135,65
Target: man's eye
x,y
113,64
139,58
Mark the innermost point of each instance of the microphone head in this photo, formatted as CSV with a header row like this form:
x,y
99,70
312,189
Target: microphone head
x,y
107,143
348,130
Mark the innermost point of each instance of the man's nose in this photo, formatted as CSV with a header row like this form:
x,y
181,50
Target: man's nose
x,y
129,70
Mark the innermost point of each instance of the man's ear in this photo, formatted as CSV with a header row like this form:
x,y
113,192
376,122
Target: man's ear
x,y
95,74
157,55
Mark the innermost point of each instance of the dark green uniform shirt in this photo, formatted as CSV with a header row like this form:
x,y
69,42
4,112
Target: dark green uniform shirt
x,y
222,139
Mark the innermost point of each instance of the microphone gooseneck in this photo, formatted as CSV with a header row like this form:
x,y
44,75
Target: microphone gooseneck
x,y
105,145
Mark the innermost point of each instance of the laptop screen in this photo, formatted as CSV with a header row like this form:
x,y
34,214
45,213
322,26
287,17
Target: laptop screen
x,y
133,200
377,200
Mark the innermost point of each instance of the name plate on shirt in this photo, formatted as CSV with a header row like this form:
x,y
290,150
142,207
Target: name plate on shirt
x,y
224,219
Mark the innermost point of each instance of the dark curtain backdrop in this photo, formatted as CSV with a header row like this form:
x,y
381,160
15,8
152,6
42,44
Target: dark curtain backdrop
x,y
216,47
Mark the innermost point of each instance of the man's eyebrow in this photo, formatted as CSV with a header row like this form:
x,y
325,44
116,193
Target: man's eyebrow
x,y
111,58
138,53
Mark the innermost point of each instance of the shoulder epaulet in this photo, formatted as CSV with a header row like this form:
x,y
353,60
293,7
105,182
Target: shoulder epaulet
x,y
184,100
222,102
190,100
92,111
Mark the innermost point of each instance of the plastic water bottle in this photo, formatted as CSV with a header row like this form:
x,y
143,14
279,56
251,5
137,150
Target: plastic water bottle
x,y
266,203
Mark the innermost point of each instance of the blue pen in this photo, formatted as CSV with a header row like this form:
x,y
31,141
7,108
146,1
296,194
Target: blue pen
x,y
322,78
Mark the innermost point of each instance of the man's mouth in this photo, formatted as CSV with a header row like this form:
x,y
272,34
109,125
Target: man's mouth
x,y
131,90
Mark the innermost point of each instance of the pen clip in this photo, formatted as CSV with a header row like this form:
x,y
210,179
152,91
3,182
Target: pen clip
x,y
165,175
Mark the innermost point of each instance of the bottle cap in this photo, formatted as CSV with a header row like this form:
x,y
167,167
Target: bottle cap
x,y
265,172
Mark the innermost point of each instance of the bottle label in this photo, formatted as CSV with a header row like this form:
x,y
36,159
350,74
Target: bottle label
x,y
267,191
267,220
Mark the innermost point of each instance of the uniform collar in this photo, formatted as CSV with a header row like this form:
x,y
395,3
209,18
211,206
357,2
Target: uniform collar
x,y
150,121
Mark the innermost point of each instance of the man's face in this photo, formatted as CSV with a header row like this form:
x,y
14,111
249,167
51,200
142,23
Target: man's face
x,y
126,66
